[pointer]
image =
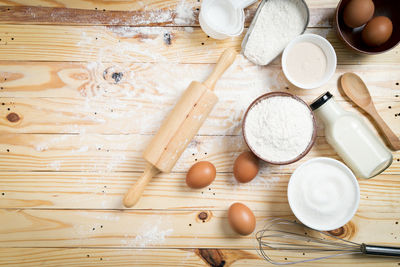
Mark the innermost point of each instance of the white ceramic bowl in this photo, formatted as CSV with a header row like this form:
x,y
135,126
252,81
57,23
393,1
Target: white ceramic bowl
x,y
321,199
210,9
328,50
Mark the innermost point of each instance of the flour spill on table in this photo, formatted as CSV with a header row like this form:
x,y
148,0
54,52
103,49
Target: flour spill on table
x,y
84,228
266,179
189,29
184,14
152,17
149,33
143,17
44,145
152,232
258,183
80,150
115,43
56,165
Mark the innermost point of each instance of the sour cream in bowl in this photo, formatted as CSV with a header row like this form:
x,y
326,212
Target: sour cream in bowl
x,y
309,61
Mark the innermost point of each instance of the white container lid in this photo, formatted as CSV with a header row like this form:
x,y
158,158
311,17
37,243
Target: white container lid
x,y
323,194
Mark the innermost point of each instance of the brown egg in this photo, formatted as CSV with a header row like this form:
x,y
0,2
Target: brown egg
x,y
241,219
245,167
201,174
377,31
358,12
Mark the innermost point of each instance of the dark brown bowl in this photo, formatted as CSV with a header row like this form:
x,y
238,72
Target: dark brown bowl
x,y
352,37
314,135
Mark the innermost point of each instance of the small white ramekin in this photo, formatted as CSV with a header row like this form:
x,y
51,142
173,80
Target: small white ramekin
x,y
302,217
328,50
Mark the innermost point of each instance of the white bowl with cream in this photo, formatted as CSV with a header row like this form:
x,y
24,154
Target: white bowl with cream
x,y
323,194
309,61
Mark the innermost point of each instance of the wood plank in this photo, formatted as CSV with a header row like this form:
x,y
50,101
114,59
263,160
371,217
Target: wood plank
x,y
170,16
138,13
26,257
139,44
104,257
121,116
159,228
67,16
120,5
107,153
132,5
105,190
163,81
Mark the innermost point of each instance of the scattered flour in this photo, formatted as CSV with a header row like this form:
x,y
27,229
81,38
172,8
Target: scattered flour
x,y
41,147
279,128
277,23
150,233
189,29
152,17
80,150
129,32
152,236
56,165
116,160
184,14
258,183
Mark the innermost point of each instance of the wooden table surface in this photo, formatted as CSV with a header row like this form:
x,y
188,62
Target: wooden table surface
x,y
85,85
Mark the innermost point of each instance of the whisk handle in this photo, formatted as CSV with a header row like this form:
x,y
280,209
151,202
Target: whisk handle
x,y
380,250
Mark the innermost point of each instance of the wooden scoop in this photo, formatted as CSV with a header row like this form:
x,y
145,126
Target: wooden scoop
x,y
357,91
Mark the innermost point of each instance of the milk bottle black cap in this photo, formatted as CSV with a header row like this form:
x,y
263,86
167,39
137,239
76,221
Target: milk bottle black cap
x,y
320,100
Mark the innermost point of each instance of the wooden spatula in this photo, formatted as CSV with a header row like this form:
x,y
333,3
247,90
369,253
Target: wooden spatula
x,y
357,91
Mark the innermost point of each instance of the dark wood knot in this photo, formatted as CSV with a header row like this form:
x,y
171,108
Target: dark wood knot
x,y
117,76
203,215
167,38
113,75
337,232
13,117
347,231
213,257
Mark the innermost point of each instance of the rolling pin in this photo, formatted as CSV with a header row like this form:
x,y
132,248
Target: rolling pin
x,y
179,127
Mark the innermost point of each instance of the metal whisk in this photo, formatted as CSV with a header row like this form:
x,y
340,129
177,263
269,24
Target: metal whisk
x,y
285,235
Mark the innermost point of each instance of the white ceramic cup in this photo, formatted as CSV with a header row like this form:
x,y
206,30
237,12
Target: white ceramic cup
x,y
321,198
328,50
221,19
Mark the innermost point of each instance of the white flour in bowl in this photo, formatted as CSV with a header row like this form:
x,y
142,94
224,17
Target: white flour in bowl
x,y
278,22
279,128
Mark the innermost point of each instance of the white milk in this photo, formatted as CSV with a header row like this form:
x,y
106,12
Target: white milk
x,y
355,143
323,194
220,19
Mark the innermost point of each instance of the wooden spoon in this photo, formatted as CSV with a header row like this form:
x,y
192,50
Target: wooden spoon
x,y
357,91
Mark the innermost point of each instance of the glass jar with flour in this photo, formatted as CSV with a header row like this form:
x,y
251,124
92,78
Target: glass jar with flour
x,y
349,135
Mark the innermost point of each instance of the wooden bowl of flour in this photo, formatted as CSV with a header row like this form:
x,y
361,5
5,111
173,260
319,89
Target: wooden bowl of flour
x,y
279,128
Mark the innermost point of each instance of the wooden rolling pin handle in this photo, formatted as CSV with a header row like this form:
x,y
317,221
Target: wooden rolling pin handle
x,y
392,140
135,192
224,61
